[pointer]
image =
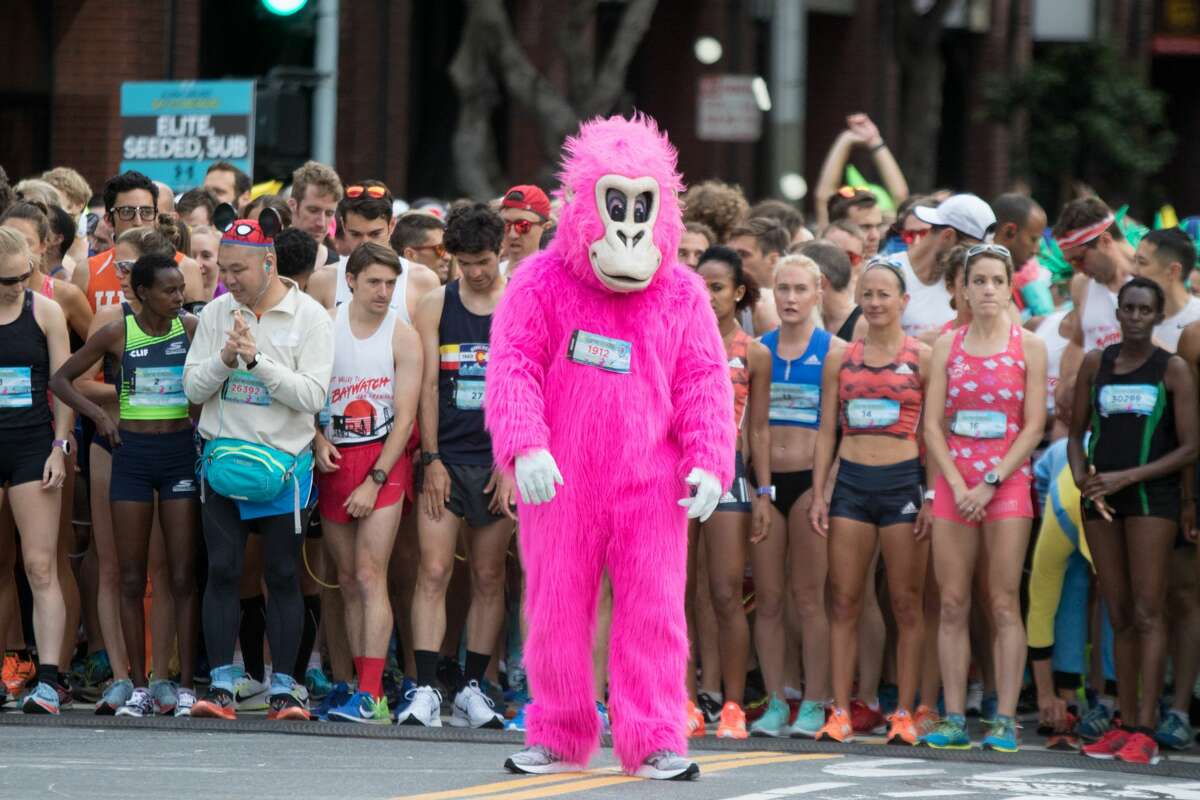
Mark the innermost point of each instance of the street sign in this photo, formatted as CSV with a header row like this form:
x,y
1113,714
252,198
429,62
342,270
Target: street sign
x,y
173,130
726,109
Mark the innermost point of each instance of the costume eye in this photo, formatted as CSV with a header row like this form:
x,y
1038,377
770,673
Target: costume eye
x,y
641,207
614,201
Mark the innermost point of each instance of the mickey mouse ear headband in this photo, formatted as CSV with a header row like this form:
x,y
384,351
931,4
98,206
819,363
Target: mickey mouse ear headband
x,y
247,232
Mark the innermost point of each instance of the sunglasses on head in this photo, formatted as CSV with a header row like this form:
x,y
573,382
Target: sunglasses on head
x,y
16,280
987,249
439,250
129,212
357,190
521,226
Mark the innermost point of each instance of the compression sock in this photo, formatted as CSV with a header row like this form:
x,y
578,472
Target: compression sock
x,y
477,664
370,676
427,663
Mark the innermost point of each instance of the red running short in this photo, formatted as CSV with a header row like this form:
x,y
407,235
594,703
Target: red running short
x,y
353,469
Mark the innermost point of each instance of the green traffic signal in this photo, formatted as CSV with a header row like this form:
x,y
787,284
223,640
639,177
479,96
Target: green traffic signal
x,y
284,8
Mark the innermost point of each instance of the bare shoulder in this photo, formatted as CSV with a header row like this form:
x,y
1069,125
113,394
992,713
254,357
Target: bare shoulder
x,y
1030,341
422,278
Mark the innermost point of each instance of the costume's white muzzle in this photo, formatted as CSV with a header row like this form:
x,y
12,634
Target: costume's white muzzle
x,y
626,258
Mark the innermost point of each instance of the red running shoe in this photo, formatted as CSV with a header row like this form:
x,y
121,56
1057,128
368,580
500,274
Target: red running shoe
x,y
866,720
1108,745
1139,749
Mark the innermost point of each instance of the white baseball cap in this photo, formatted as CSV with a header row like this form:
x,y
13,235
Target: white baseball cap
x,y
966,213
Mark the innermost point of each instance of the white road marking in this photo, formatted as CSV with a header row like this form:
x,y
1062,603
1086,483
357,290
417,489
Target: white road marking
x,y
791,791
881,768
928,793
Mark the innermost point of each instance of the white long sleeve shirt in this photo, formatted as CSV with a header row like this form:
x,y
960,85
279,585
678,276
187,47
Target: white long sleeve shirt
x,y
273,404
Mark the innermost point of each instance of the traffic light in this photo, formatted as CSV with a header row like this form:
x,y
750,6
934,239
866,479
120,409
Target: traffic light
x,y
284,8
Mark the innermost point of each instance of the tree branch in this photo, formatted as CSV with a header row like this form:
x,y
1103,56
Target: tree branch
x,y
579,50
477,170
610,81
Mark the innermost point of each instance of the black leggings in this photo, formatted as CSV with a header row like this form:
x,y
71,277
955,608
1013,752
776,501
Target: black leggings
x,y
225,534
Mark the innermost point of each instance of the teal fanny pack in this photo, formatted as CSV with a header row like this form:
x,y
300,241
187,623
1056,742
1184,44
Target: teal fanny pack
x,y
251,472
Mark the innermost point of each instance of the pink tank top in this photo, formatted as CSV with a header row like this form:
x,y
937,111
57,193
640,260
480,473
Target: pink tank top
x,y
985,407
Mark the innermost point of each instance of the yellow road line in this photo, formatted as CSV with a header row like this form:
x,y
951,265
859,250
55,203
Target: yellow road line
x,y
539,786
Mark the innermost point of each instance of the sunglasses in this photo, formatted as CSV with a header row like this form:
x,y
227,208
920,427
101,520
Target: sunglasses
x,y
987,249
124,267
16,280
439,250
855,258
521,226
375,192
910,237
129,212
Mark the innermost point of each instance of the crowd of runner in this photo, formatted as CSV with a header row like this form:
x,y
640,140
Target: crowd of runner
x,y
965,482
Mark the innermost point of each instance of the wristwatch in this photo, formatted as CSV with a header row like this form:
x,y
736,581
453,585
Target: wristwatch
x,y
767,491
429,458
379,476
992,478
252,363
930,495
62,444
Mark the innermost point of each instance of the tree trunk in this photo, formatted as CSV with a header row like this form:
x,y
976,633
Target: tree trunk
x,y
476,167
922,70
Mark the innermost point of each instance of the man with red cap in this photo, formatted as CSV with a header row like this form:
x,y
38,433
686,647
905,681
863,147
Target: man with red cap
x,y
525,210
259,366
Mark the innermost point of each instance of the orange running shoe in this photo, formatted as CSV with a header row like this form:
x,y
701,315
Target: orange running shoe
x,y
838,728
17,672
695,721
903,729
733,722
218,703
925,719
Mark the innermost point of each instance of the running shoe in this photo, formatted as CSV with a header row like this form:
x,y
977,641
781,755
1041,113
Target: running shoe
x,y
605,722
949,734
140,704
116,695
695,721
535,760
337,697
65,700
1002,735
667,765
187,699
902,729
17,672
989,709
362,708
733,722
422,706
317,684
1095,723
450,674
96,669
166,695
775,721
866,719
517,723
1065,740
289,699
250,694
474,709
220,701
838,728
974,704
925,719
809,721
43,699
1107,747
710,706
1175,731
1139,749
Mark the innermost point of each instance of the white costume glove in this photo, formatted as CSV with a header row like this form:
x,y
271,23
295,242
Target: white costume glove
x,y
536,474
708,493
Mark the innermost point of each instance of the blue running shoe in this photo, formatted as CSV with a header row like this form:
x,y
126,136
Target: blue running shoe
x,y
988,708
363,708
605,725
338,696
1175,731
1002,735
774,721
317,684
517,723
1095,723
810,719
949,734
43,699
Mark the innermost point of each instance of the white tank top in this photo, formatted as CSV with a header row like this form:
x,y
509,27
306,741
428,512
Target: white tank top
x,y
928,304
399,302
1056,343
1169,330
1099,317
361,387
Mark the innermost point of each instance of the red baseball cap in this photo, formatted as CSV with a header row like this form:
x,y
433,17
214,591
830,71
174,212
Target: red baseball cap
x,y
527,198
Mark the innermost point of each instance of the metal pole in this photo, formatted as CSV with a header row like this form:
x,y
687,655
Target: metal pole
x,y
324,118
789,57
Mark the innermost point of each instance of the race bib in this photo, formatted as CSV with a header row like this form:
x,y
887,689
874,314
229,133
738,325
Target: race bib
x,y
468,395
980,424
795,403
16,387
157,386
863,412
242,387
1131,398
594,350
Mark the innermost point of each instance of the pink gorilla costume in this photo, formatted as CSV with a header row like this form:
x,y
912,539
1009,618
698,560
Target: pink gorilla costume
x,y
605,352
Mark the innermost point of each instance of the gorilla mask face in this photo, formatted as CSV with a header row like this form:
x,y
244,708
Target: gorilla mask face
x,y
626,257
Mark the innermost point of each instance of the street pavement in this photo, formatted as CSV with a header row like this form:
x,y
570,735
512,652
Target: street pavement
x,y
92,758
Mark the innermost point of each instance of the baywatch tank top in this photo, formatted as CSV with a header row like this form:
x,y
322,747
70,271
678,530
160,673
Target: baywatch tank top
x,y
881,401
463,341
796,384
362,386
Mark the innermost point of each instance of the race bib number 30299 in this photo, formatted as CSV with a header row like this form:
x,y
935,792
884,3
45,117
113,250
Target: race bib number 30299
x,y
1128,398
594,350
